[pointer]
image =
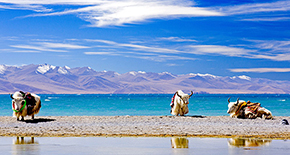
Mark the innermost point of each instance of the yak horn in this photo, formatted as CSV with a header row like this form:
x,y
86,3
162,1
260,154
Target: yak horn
x,y
178,95
229,99
191,94
11,96
237,101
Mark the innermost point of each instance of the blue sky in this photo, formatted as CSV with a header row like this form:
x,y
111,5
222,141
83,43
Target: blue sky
x,y
220,37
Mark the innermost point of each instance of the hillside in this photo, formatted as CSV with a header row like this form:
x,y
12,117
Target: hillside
x,y
47,79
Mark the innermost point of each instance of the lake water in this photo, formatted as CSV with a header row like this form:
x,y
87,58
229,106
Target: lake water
x,y
140,146
144,104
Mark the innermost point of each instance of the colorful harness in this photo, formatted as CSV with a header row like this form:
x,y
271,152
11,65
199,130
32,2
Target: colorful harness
x,y
253,107
244,104
172,100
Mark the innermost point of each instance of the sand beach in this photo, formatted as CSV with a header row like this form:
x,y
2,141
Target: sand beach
x,y
145,126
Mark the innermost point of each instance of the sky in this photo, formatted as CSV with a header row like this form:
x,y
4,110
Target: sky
x,y
219,37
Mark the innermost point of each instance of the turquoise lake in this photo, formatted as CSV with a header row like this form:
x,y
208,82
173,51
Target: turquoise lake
x,y
145,104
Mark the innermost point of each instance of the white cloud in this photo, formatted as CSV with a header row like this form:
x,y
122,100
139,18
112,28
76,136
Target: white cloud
x,y
260,70
161,58
36,8
258,49
278,6
269,19
102,13
62,45
138,47
48,46
172,65
218,49
275,50
159,54
272,45
24,51
276,57
38,48
176,39
102,53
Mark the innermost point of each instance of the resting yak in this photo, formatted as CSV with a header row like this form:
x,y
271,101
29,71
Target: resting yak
x,y
243,109
25,104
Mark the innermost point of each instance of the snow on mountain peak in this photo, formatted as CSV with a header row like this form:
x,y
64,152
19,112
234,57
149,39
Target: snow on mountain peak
x,y
243,77
62,70
117,74
164,73
44,68
66,67
203,75
133,73
2,69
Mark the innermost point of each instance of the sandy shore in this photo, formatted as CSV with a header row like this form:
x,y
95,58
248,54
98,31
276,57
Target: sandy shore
x,y
161,126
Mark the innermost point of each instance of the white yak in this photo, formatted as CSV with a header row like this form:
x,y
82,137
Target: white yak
x,y
179,103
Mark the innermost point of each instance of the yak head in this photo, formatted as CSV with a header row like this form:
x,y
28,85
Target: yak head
x,y
18,100
233,106
184,97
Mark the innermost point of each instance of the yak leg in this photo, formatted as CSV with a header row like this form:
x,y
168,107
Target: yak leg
x,y
266,113
181,113
186,109
22,118
175,110
32,116
252,116
249,114
183,110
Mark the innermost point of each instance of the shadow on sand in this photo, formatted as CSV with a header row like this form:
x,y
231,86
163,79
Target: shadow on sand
x,y
39,120
195,116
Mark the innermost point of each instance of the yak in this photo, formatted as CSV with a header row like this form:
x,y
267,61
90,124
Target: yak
x,y
243,109
179,103
25,104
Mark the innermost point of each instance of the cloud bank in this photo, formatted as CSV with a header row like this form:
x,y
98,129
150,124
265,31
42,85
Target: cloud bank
x,y
260,70
103,13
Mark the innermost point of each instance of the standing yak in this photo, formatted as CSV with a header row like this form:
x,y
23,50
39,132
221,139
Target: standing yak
x,y
179,103
25,104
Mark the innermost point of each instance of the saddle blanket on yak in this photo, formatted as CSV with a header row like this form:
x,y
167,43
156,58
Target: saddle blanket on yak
x,y
253,107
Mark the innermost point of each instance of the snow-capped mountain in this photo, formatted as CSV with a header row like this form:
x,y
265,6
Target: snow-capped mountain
x,y
47,78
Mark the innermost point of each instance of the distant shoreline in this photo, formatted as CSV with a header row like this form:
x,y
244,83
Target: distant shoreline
x,y
172,93
145,126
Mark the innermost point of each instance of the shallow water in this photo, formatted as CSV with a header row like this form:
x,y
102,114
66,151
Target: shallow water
x,y
140,146
144,104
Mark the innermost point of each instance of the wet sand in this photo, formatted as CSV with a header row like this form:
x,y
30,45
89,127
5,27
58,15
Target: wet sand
x,y
145,126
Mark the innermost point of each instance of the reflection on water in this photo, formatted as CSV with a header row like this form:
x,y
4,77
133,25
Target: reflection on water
x,y
25,145
24,141
247,142
179,142
140,146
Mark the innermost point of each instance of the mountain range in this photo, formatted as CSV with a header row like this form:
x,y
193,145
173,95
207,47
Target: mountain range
x,y
49,79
